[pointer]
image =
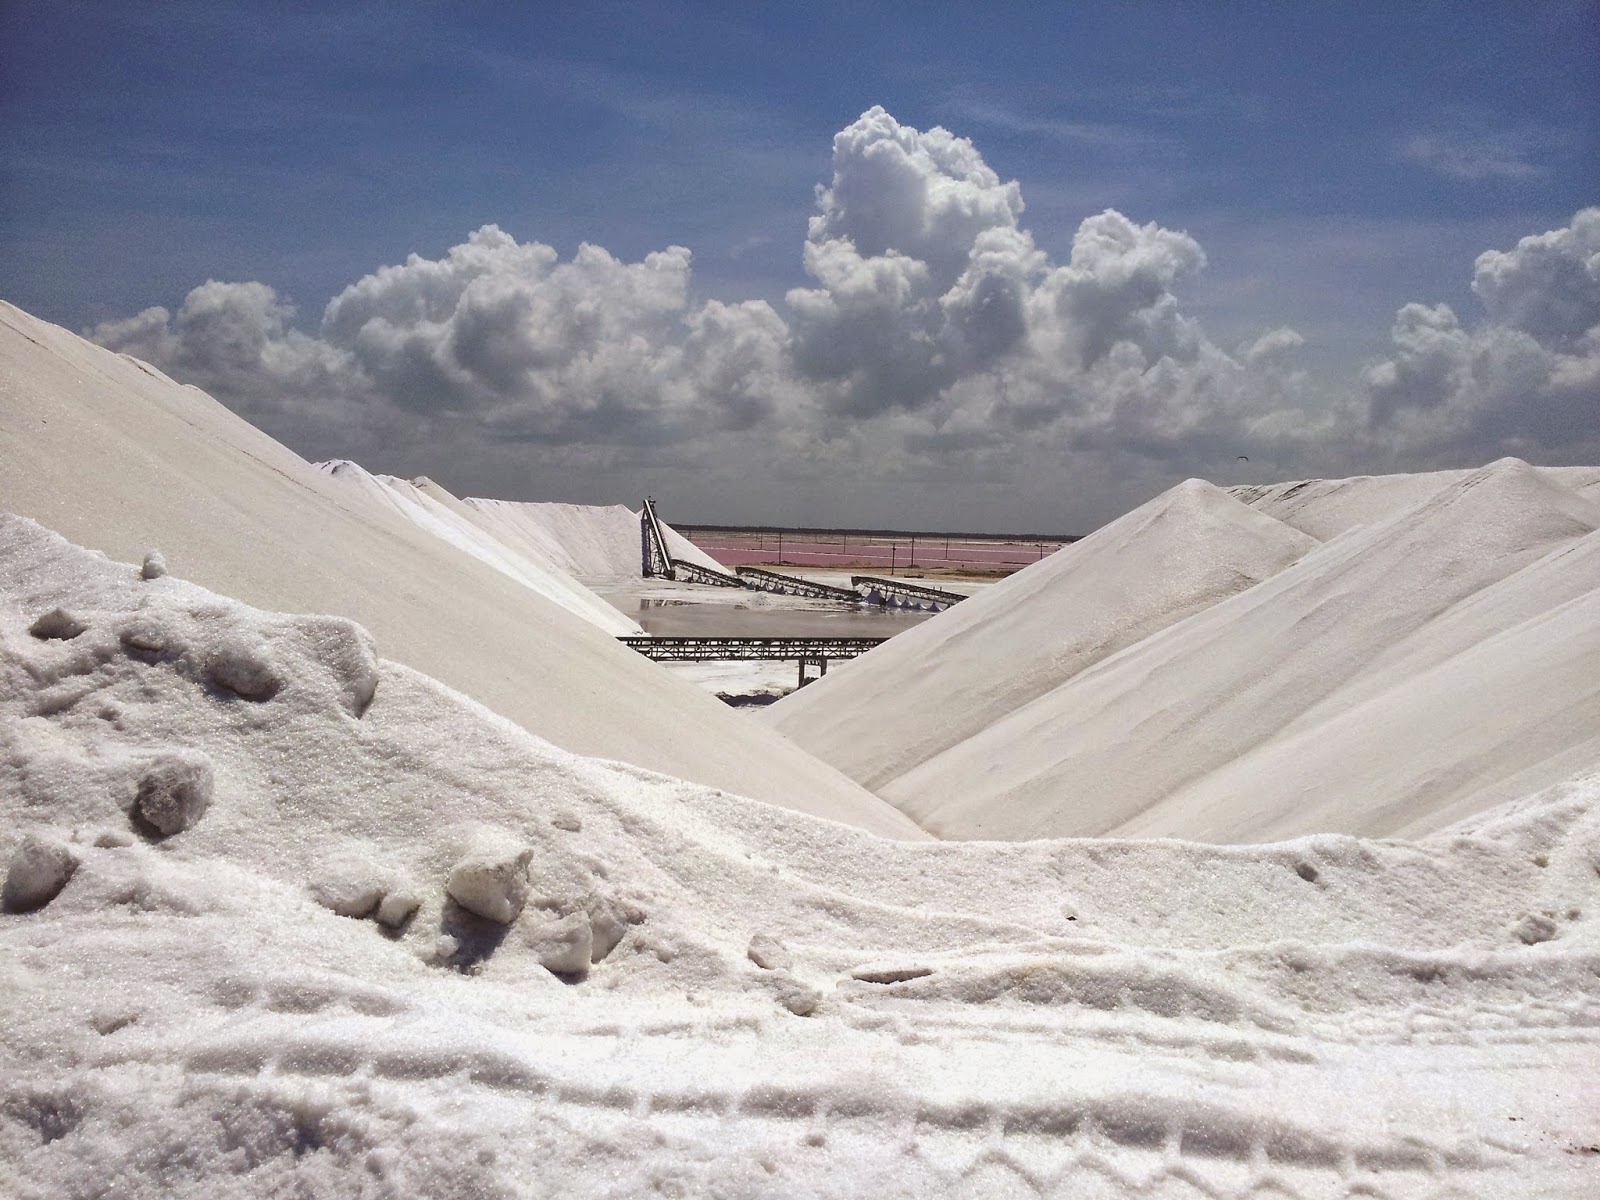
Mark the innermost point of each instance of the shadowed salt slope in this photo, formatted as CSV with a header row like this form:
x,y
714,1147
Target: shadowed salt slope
x,y
944,681
587,541
1325,508
280,998
121,459
1495,699
1104,750
429,514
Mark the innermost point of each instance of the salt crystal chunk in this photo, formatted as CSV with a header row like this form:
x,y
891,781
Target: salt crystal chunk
x,y
57,625
175,791
396,908
1534,928
493,884
799,998
563,947
768,953
39,869
238,667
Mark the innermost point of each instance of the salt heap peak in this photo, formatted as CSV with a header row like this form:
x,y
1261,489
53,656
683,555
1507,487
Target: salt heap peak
x,y
1101,752
436,512
944,681
589,542
1325,508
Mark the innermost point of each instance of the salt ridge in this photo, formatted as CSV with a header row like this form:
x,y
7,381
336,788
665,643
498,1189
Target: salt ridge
x,y
1326,508
589,542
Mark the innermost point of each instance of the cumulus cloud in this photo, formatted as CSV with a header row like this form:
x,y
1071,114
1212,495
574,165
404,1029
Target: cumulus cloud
x,y
935,312
931,310
1526,379
496,335
922,268
934,339
927,282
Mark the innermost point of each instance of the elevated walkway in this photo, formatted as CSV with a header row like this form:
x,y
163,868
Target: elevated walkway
x,y
788,585
692,649
899,593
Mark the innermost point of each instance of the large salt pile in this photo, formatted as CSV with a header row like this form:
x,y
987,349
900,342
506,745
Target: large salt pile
x,y
1111,747
284,918
1325,508
936,685
1492,700
589,542
429,509
1335,695
121,459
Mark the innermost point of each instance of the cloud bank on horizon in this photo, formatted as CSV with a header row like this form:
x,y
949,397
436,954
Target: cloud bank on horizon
x,y
936,341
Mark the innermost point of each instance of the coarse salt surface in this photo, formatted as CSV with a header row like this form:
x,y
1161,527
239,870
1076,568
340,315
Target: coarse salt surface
x,y
409,949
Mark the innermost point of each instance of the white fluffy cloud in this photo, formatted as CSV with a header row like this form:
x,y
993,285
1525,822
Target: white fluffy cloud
x,y
931,293
934,339
929,298
497,335
1527,379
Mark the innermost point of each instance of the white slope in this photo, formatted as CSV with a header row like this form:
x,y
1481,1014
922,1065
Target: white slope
x,y
426,510
936,685
1497,698
589,542
1114,742
190,1016
1576,478
122,460
1325,508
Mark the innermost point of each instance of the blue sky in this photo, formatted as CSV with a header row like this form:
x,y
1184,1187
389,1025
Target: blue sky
x,y
1334,161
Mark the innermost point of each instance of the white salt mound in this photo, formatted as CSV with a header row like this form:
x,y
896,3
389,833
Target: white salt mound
x,y
941,682
1325,508
119,458
1113,748
589,542
1495,699
186,1017
429,512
